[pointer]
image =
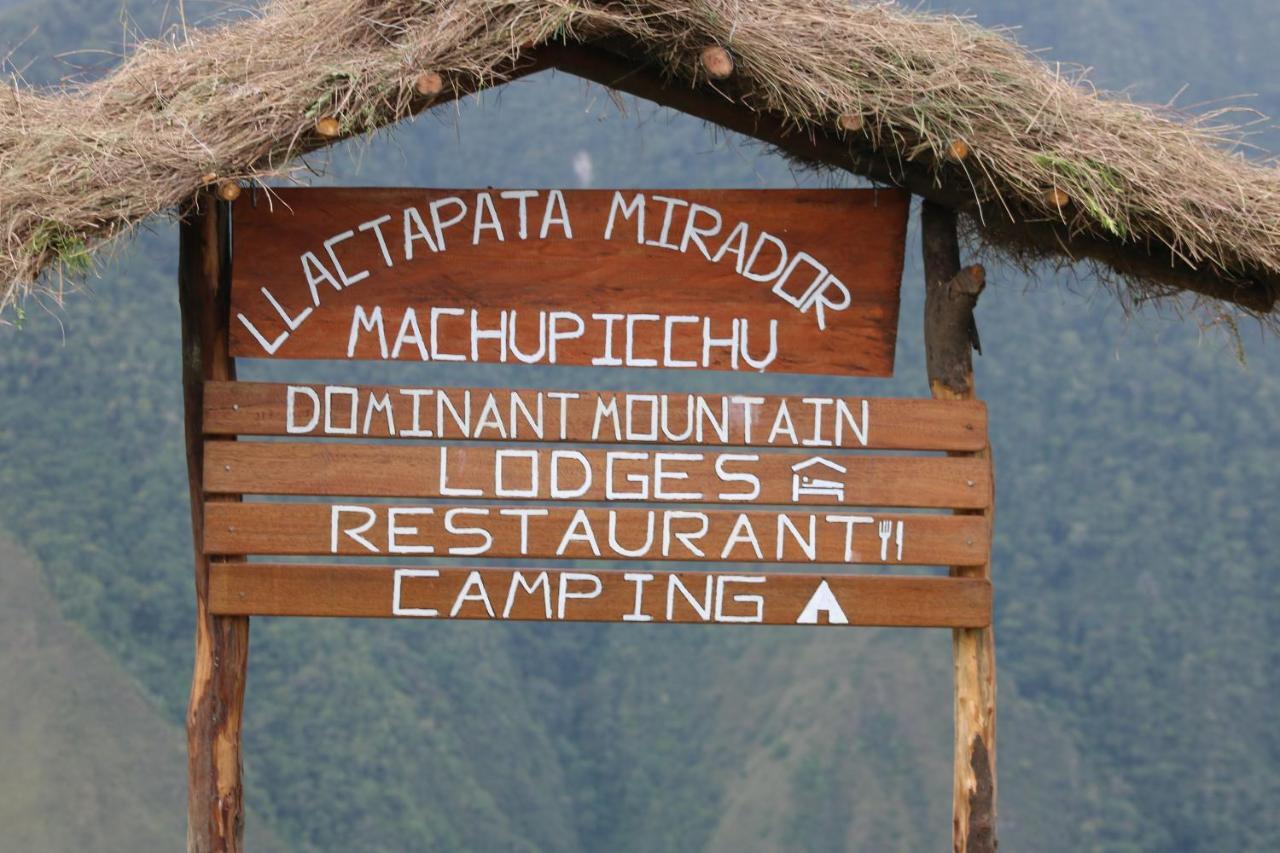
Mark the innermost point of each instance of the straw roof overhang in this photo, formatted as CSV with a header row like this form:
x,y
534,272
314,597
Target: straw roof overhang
x,y
1041,166
1020,227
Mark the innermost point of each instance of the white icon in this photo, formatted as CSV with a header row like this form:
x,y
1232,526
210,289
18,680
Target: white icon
x,y
803,481
886,531
823,601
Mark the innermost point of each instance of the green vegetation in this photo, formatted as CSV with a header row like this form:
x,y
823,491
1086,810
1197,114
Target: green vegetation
x,y
89,762
1135,564
68,249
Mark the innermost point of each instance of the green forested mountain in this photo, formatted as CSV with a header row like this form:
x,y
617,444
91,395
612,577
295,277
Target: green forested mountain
x,y
90,761
1135,567
59,748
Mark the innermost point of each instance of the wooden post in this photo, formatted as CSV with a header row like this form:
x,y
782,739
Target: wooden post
x,y
215,806
950,336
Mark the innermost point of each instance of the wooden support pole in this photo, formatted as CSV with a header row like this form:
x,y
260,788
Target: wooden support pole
x,y
950,336
215,805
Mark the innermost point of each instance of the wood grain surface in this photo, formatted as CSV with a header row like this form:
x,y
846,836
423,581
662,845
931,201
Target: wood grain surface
x,y
481,472
501,414
305,258
215,707
716,598
560,532
951,335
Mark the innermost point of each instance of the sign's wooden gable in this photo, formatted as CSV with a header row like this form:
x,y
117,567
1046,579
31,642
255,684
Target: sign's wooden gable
x,y
751,281
720,508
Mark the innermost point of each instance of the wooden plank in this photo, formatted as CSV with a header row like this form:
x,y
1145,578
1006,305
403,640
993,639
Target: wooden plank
x,y
501,414
477,472
215,802
571,279
951,335
647,596
559,532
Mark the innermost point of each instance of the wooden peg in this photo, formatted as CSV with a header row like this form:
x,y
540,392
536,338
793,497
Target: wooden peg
x,y
717,62
229,190
958,150
851,122
1056,198
328,127
429,84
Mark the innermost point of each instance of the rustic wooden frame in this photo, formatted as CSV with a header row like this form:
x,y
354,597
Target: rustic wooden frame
x,y
950,337
215,800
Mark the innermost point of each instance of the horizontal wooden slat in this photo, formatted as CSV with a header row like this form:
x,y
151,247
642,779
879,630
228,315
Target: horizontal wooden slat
x,y
643,597
568,278
761,477
559,532
392,411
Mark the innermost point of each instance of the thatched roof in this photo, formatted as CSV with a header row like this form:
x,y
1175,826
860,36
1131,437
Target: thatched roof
x,y
1042,166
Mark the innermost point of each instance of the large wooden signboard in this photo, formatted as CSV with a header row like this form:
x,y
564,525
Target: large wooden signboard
x,y
577,475
756,480
792,281
796,281
627,507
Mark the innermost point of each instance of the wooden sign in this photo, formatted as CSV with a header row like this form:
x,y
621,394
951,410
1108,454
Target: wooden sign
x,y
551,595
560,532
717,509
806,481
783,281
536,475
504,414
521,473
799,281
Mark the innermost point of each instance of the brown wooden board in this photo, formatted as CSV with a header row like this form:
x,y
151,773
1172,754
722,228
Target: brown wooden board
x,y
647,596
532,473
575,279
560,532
500,414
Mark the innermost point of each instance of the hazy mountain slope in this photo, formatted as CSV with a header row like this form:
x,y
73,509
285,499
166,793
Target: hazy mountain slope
x,y
1185,51
1136,596
377,736
1138,592
87,762
74,726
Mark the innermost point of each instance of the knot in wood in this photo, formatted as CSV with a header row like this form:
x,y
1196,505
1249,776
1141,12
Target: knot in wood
x,y
852,122
328,127
717,62
429,84
1056,198
969,282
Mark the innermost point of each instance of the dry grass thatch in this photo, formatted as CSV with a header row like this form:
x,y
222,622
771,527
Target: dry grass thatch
x,y
1041,163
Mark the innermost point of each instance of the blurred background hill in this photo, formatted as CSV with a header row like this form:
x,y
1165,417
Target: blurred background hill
x,y
1136,569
